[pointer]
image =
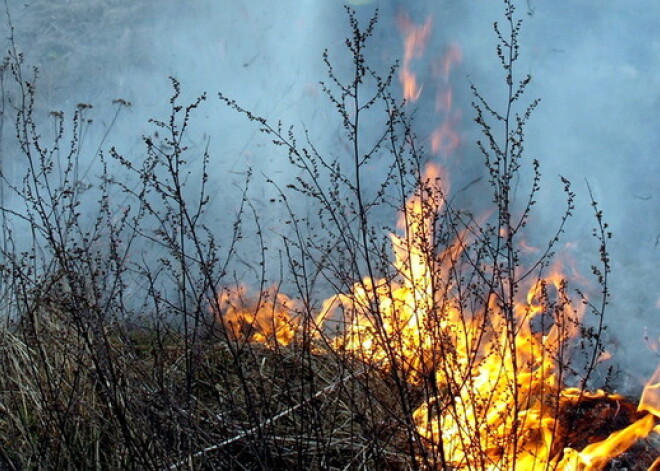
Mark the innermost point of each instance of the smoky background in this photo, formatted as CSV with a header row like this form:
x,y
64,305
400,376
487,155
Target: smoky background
x,y
595,68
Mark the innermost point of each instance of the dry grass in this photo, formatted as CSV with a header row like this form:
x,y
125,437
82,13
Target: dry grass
x,y
279,408
285,408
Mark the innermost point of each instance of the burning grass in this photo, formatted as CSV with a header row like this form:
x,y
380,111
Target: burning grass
x,y
482,390
284,407
447,343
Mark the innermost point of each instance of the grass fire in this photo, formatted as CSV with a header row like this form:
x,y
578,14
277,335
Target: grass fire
x,y
447,337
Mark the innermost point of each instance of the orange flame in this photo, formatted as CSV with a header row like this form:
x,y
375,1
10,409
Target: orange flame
x,y
501,368
595,457
505,407
656,464
264,320
415,39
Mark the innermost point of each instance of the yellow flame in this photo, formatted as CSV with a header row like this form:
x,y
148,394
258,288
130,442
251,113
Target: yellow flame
x,y
497,371
595,457
502,385
264,319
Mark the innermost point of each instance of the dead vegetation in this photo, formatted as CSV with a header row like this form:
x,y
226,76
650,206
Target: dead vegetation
x,y
112,353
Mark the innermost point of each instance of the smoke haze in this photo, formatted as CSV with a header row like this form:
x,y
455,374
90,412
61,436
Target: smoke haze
x,y
595,65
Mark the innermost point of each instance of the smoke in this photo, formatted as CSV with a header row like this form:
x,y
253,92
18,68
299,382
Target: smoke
x,y
595,67
596,70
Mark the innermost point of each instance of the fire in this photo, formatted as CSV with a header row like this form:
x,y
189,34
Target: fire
x,y
496,363
656,464
444,138
399,332
497,383
266,319
596,456
497,371
504,394
415,39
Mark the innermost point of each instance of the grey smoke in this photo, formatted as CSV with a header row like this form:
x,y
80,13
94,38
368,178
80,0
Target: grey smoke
x,y
595,65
